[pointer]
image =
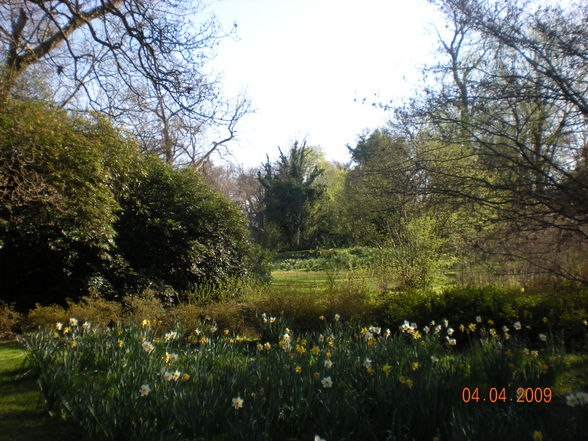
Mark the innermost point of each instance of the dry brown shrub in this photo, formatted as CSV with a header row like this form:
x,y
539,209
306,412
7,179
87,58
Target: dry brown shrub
x,y
96,310
43,316
9,320
146,307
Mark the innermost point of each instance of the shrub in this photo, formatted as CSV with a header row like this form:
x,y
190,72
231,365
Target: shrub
x,y
563,311
9,319
174,231
62,176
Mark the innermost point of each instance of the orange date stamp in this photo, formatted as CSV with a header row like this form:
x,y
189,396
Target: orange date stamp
x,y
501,395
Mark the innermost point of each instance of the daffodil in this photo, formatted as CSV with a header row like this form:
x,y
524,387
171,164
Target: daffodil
x,y
542,337
517,326
337,317
328,364
148,347
298,369
386,368
169,336
73,322
414,365
59,326
144,390
577,399
327,382
315,350
237,402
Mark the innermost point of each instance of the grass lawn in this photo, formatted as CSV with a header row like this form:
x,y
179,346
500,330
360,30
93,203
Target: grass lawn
x,y
312,280
23,416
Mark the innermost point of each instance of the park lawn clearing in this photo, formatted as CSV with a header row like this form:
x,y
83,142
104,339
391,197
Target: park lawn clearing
x,y
23,415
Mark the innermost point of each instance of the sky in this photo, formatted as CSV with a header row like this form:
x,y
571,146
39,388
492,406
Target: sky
x,y
307,65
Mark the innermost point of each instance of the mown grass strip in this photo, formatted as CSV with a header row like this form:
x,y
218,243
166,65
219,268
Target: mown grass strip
x,y
23,415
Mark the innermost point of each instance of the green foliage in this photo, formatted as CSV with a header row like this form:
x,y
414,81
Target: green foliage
x,y
291,191
61,178
320,259
379,190
174,231
417,254
562,312
135,383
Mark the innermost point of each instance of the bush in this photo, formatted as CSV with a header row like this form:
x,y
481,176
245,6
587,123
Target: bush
x,y
174,231
562,311
9,320
62,176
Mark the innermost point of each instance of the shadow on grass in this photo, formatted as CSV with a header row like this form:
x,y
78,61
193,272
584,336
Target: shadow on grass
x,y
23,414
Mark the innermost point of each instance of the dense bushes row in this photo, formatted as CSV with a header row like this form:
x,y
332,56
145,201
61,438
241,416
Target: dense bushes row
x,y
562,309
562,314
81,210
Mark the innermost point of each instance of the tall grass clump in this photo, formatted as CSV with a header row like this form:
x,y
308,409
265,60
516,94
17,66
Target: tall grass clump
x,y
338,382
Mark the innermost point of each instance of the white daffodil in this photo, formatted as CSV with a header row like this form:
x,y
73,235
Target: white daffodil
x,y
577,399
73,321
237,402
144,390
542,337
337,317
517,326
327,382
367,363
169,336
328,364
148,347
59,326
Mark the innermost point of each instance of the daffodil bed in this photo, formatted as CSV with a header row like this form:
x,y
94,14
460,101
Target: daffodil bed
x,y
340,383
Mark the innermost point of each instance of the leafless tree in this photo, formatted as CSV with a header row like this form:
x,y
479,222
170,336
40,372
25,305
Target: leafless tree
x,y
505,125
139,61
